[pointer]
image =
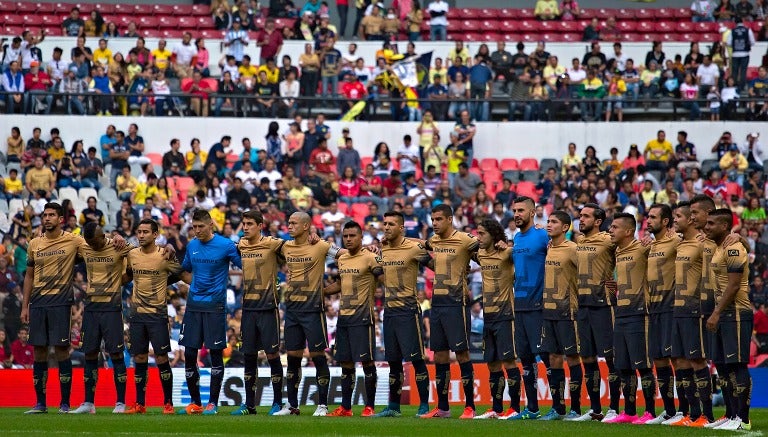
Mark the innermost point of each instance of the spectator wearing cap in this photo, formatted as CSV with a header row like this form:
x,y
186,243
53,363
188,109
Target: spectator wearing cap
x,y
438,20
752,149
236,40
37,86
734,164
270,41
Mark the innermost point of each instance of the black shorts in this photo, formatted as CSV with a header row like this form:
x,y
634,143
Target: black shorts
x,y
147,329
403,339
354,343
630,343
102,325
731,341
595,325
660,335
688,338
528,326
499,341
305,330
260,331
200,328
449,329
559,337
49,326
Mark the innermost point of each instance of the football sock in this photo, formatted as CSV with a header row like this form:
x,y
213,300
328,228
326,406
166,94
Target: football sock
x,y
496,380
323,378
292,377
648,383
442,380
422,380
530,382
666,384
513,387
629,389
40,378
65,380
217,375
371,378
703,383
614,385
120,376
556,379
347,386
90,377
574,386
250,375
725,388
166,381
468,383
686,389
192,375
743,390
276,374
140,379
592,380
395,384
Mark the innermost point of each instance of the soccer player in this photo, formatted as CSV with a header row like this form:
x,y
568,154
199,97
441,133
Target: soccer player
x,y
208,258
529,254
403,339
731,320
359,271
449,321
261,319
151,272
559,336
688,352
498,271
661,292
103,317
631,326
596,261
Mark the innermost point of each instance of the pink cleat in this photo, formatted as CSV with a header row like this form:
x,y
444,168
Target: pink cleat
x,y
622,418
642,420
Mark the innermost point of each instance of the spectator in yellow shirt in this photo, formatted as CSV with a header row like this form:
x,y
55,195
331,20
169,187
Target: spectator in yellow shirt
x,y
219,215
273,73
248,73
57,151
146,190
658,152
161,56
459,51
546,10
13,185
40,178
126,185
102,55
734,164
616,90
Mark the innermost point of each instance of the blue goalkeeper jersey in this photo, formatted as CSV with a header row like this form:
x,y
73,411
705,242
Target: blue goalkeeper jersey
x,y
529,254
209,264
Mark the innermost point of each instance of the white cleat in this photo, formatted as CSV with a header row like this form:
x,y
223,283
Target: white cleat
x,y
586,417
674,419
84,408
731,425
321,411
285,411
490,414
610,414
119,408
716,423
661,418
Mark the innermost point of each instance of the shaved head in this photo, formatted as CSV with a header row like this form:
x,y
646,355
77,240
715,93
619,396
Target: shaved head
x,y
302,217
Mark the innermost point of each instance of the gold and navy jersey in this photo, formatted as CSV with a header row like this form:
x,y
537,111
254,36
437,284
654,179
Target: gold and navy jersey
x,y
561,282
498,273
661,274
726,260
53,263
306,264
631,282
150,281
260,272
401,271
452,257
708,284
597,260
688,267
105,273
359,274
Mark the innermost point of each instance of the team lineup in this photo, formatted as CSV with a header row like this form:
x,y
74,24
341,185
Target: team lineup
x,y
667,309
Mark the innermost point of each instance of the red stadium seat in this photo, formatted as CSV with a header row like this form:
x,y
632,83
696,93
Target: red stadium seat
x,y
527,188
182,9
167,22
468,37
664,14
706,27
26,8
508,26
212,34
626,26
467,26
32,21
470,13
569,26
647,27
549,26
51,20
509,164
603,14
631,37
122,8
187,22
529,164
587,14
512,38
160,9
172,34
489,26
360,209
6,6
182,183
684,26
155,158
625,14
201,10
204,22
148,22
45,8
13,20
709,37
550,37
488,14
687,37
529,25
150,33
455,14
489,164
526,13
571,37
644,14
491,37
509,14
123,20
683,13
492,179
665,27
13,30
54,31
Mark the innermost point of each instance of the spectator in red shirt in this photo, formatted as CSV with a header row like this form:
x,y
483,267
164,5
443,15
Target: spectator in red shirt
x,y
270,41
760,336
372,189
36,84
392,183
353,90
6,357
323,160
201,89
23,352
349,187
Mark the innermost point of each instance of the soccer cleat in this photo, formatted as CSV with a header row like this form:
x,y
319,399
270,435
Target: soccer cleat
x,y
586,417
701,422
275,408
551,415
340,412
745,426
686,421
526,414
571,416
621,418
136,409
490,414
368,412
191,410
716,423
243,411
320,411
660,419
285,410
511,412
436,414
423,409
674,419
37,409
63,408
84,408
388,413
644,419
469,413
211,410
168,409
119,408
731,425
609,415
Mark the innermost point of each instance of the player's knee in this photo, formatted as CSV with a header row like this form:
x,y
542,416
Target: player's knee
x,y
494,366
298,354
91,356
141,358
462,357
62,353
573,360
588,360
115,357
272,356
442,357
661,362
367,364
556,361
161,359
347,365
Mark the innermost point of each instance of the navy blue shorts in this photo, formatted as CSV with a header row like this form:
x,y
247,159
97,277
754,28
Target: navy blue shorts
x,y
559,337
688,338
528,325
260,331
102,325
200,328
354,343
305,330
449,328
403,339
499,341
731,341
595,325
149,329
660,335
630,343
49,326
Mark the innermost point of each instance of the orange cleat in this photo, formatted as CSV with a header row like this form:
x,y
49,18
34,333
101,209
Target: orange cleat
x,y
700,422
367,412
136,409
193,409
341,412
469,413
437,413
168,409
685,421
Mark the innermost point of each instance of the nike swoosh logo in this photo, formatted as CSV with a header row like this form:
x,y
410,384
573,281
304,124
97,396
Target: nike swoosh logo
x,y
218,342
194,253
64,339
274,345
693,351
318,345
459,343
607,351
637,363
414,354
730,355
569,347
363,355
668,348
119,345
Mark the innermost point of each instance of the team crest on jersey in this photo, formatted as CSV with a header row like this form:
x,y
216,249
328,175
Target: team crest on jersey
x,y
733,252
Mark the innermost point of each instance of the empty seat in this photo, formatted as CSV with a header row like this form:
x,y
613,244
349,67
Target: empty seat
x,y
644,14
665,27
709,164
155,158
160,9
14,206
86,192
684,26
182,9
509,164
625,14
148,22
26,8
664,14
547,163
529,164
488,14
67,193
489,164
200,10
187,22
683,13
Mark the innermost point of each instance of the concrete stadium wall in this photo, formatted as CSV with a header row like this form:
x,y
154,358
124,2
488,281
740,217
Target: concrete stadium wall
x,y
493,140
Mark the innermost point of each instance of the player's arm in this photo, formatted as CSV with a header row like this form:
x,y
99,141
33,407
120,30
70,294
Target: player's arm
x,y
29,279
735,260
333,288
234,255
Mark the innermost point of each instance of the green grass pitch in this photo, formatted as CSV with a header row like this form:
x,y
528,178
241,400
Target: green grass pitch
x,y
14,423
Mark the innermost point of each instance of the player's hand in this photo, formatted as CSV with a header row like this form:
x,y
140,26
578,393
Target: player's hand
x,y
168,252
713,320
671,233
731,238
314,238
373,248
646,241
25,315
119,242
700,237
502,245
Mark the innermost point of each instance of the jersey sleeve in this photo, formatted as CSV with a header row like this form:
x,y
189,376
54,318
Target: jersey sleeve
x,y
736,258
187,263
31,253
422,255
234,255
472,244
376,267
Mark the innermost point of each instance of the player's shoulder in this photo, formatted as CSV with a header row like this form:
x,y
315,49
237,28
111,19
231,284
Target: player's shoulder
x,y
570,245
735,250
